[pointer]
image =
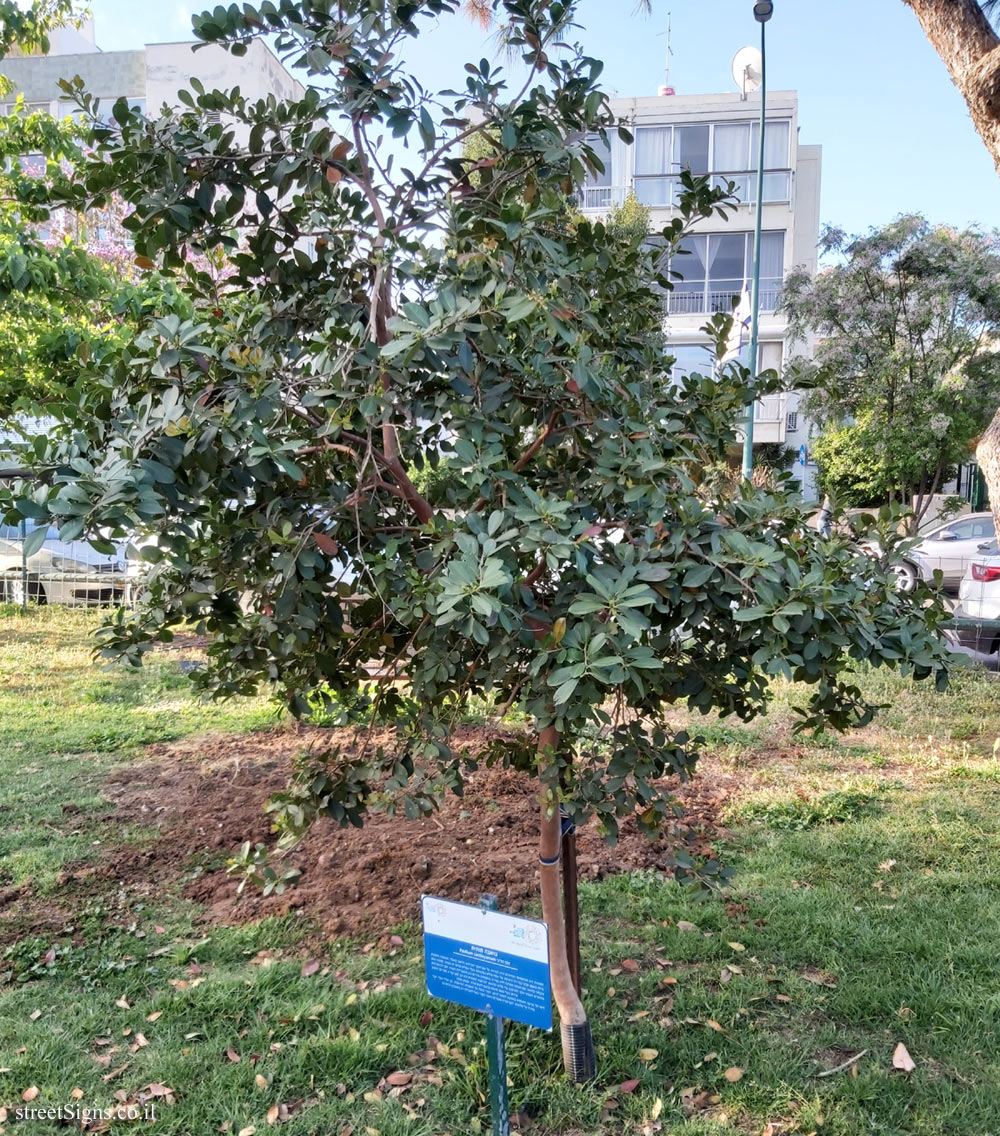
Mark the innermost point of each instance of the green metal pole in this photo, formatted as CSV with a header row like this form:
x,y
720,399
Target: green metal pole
x,y
755,286
496,1057
24,569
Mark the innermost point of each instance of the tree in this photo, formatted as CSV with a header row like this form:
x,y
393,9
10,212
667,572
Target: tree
x,y
67,278
906,366
392,305
963,36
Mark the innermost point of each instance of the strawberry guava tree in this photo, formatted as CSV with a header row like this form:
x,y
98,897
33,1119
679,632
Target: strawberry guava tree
x,y
390,305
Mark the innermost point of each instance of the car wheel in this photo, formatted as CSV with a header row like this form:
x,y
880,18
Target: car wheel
x,y
906,576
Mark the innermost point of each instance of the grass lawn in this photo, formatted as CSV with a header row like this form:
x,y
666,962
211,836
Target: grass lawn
x,y
864,912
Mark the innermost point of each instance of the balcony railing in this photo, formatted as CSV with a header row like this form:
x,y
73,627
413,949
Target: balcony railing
x,y
710,300
663,192
770,408
602,196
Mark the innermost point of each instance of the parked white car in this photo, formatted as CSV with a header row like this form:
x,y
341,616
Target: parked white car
x,y
974,629
58,572
948,547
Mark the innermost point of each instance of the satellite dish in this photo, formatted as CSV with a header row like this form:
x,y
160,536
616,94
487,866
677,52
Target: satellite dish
x,y
747,70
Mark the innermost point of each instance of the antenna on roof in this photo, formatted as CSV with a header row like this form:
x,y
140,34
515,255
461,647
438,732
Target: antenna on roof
x,y
666,89
747,73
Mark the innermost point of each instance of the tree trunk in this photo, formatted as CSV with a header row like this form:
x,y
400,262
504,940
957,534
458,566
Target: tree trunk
x,y
969,47
988,456
577,1041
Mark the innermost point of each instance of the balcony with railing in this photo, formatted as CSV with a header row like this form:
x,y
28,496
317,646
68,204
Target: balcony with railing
x,y
663,192
706,298
769,418
596,198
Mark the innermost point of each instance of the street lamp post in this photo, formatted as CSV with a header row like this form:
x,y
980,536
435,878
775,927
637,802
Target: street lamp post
x,y
762,10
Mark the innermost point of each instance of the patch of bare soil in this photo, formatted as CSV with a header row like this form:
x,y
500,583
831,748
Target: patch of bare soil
x,y
208,795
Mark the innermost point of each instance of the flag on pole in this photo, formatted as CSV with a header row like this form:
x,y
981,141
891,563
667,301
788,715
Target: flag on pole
x,y
739,336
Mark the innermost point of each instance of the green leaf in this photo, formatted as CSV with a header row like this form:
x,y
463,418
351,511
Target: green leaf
x,y
34,541
697,575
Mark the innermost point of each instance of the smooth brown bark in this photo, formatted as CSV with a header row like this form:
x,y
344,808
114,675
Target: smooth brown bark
x,y
571,1011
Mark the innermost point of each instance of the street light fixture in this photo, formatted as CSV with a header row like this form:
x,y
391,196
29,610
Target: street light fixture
x,y
762,10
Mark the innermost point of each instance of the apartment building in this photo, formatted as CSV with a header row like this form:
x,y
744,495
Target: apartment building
x,y
719,135
148,76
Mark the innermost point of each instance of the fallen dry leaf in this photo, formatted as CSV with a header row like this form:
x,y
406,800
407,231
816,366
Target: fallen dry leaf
x,y
139,1041
629,1086
123,1004
399,1078
248,1131
309,968
684,925
887,865
30,1093
738,946
260,1081
648,1054
819,977
902,1060
733,1074
76,1094
34,1015
714,1025
272,1114
154,1016
426,1018
630,965
233,1056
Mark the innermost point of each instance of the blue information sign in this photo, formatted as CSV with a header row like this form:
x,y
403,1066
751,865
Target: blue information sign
x,y
803,454
488,961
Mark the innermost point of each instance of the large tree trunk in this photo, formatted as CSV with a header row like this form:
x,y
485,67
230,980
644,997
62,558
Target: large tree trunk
x,y
970,49
988,456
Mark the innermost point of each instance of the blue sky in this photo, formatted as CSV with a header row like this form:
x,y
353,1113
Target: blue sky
x,y
895,133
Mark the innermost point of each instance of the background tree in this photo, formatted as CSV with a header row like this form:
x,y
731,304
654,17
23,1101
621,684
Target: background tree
x,y
962,34
385,310
68,287
906,367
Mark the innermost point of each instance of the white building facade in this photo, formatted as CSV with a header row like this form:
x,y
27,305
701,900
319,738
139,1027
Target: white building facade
x,y
718,135
148,76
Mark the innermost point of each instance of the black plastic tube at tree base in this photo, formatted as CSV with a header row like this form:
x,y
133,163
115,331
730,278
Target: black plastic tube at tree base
x,y
578,1052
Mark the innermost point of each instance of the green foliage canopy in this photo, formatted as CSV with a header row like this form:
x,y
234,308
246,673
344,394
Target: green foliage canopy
x,y
383,313
906,370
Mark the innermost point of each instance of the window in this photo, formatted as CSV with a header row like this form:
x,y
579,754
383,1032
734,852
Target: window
x,y
608,187
792,421
714,269
966,530
690,358
726,149
769,355
691,148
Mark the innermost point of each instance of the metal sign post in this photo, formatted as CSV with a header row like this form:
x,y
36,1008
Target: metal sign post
x,y
496,1057
491,962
